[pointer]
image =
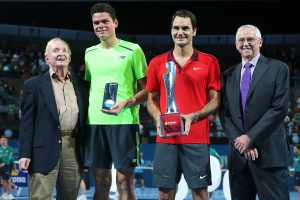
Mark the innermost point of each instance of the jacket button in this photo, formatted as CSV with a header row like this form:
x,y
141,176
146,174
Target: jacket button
x,y
59,141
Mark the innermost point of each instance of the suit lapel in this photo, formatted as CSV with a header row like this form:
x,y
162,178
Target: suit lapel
x,y
235,86
260,69
233,89
47,91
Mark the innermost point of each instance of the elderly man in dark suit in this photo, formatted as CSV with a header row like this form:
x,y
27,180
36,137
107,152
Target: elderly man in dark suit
x,y
52,121
255,97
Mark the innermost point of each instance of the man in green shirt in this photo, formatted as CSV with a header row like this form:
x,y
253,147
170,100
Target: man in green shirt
x,y
6,164
113,136
297,168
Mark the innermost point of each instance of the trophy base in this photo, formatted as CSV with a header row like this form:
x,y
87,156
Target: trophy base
x,y
171,124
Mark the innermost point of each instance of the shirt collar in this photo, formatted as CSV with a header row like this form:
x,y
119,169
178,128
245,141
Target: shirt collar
x,y
55,76
194,56
253,61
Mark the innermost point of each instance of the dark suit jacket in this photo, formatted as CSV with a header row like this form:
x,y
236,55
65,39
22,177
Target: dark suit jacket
x,y
266,107
40,136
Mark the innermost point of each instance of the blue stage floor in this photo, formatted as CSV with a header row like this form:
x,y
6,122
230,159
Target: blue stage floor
x,y
148,194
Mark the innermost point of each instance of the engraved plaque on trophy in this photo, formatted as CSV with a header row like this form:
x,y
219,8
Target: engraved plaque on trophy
x,y
171,122
110,95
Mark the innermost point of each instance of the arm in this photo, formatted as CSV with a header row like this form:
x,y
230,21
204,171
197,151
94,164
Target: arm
x,y
153,109
28,114
229,127
277,111
11,158
210,107
138,98
139,67
1,163
273,117
141,96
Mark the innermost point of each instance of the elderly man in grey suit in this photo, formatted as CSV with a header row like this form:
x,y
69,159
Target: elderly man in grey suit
x,y
52,125
255,97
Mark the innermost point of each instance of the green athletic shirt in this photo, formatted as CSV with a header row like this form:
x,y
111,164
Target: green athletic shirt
x,y
6,155
297,162
125,64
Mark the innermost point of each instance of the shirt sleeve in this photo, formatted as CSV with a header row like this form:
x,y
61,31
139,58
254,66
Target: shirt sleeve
x,y
152,77
87,75
139,63
214,75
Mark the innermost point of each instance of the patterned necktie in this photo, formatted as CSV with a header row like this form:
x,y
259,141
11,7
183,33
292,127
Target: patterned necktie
x,y
245,83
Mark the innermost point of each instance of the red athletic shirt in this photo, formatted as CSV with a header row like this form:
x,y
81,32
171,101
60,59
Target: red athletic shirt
x,y
200,74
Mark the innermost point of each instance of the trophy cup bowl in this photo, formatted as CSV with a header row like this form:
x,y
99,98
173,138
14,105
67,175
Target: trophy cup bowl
x,y
171,123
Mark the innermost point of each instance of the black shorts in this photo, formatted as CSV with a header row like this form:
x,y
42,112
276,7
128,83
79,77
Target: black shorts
x,y
171,160
118,144
6,172
297,178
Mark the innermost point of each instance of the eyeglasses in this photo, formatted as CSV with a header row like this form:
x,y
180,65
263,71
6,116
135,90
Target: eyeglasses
x,y
250,40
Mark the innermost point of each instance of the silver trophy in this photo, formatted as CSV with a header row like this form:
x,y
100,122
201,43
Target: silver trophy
x,y
171,122
110,95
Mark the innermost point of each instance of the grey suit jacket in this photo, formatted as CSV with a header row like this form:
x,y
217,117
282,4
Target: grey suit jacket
x,y
266,107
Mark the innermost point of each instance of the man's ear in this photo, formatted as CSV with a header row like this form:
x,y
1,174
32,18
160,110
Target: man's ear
x,y
195,32
116,22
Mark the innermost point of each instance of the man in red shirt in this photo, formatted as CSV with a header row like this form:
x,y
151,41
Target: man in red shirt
x,y
196,91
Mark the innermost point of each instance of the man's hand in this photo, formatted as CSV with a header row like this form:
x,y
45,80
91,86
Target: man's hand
x,y
116,108
251,153
24,164
242,143
188,120
157,123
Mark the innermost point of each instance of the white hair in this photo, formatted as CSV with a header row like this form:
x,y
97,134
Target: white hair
x,y
257,31
57,39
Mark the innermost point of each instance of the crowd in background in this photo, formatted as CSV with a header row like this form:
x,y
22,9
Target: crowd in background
x,y
19,63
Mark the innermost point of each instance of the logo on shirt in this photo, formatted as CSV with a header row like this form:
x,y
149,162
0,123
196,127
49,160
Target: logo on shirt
x,y
197,68
122,57
202,177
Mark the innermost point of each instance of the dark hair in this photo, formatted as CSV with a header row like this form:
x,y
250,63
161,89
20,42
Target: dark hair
x,y
185,14
3,136
104,7
297,146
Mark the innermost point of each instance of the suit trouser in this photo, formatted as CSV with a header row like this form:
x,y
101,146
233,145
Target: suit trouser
x,y
268,183
65,176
